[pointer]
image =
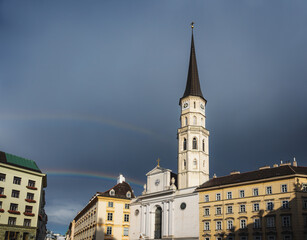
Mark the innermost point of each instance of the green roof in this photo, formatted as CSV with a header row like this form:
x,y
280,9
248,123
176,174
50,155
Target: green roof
x,y
21,162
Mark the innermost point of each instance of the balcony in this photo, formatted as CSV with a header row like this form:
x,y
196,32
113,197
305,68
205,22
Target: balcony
x,y
30,200
29,214
1,210
2,196
32,188
14,212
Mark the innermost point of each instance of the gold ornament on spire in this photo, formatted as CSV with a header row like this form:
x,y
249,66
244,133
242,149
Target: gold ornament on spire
x,y
158,165
192,25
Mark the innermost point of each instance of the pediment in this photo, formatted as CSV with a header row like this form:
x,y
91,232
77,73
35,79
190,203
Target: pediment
x,y
158,170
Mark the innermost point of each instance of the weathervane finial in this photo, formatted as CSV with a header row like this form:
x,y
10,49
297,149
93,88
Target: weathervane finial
x,y
158,162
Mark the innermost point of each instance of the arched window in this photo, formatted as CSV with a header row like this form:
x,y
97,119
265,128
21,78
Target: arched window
x,y
194,104
184,144
184,164
186,121
194,143
158,223
203,144
194,120
195,164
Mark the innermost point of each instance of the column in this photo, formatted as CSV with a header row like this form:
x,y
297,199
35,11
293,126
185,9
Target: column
x,y
170,220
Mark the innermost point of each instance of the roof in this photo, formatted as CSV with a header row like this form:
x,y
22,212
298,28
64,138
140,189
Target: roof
x,y
120,189
13,160
285,170
193,85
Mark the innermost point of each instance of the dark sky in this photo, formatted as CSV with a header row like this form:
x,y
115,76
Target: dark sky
x,y
93,86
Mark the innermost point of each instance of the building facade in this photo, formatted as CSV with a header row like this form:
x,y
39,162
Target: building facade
x,y
106,216
266,204
21,191
168,207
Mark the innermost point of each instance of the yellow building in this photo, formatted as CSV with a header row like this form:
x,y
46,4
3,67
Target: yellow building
x,y
106,216
266,204
21,199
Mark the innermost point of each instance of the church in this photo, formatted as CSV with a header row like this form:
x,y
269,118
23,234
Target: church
x,y
168,207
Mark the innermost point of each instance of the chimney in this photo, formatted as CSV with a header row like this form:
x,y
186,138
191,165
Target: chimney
x,y
234,172
294,164
120,179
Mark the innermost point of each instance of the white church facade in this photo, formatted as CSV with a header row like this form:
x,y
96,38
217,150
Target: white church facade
x,y
168,207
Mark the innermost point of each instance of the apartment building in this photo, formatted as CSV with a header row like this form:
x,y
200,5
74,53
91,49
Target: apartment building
x,y
266,204
106,216
21,189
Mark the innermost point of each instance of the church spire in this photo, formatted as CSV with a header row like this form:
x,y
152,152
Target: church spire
x,y
193,85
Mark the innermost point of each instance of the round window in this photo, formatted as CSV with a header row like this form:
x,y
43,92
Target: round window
x,y
183,206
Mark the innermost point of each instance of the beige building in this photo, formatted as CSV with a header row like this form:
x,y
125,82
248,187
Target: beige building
x,y
266,204
106,216
21,199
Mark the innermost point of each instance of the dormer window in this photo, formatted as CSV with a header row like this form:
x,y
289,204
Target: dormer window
x,y
112,192
128,195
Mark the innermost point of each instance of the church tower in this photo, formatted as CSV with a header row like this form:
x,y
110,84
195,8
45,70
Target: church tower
x,y
193,137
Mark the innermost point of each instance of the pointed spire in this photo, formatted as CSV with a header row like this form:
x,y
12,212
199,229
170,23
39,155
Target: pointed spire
x,y
193,85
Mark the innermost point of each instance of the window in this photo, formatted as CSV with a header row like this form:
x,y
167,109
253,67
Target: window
x,y
243,238
229,209
272,237
304,187
203,145
27,223
110,216
195,164
218,225
257,223
109,230
207,226
15,194
284,188
255,192
2,177
269,190
218,211
285,204
14,207
230,224
1,191
31,183
184,164
127,206
304,203
207,212
287,237
0,205
218,197
206,198
184,144
28,209
126,218
242,193
242,208
194,143
126,231
269,206
186,121
229,195
110,204
257,238
30,196
256,207
128,195
242,223
12,221
270,222
285,221
194,120
194,104
17,180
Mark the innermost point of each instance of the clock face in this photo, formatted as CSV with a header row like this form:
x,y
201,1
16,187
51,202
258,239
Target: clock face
x,y
157,182
185,105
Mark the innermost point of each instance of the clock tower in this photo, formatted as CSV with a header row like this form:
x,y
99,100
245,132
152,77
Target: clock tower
x,y
193,137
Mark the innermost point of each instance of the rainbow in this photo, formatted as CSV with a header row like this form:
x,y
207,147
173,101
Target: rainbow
x,y
89,174
83,118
